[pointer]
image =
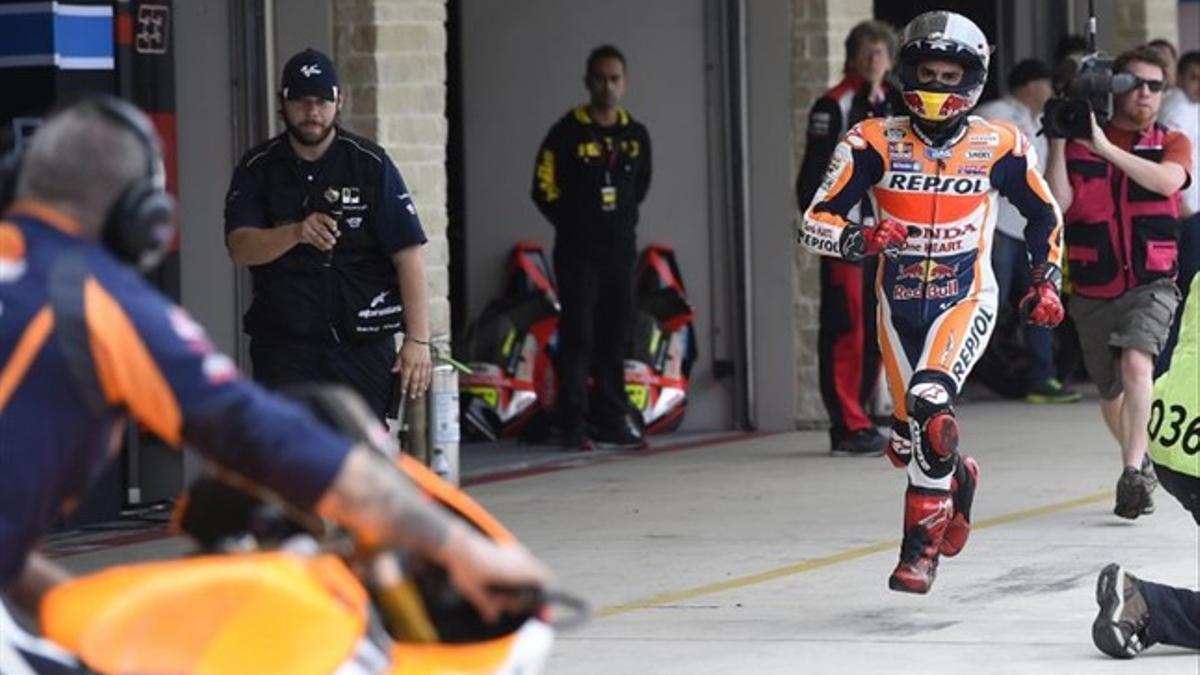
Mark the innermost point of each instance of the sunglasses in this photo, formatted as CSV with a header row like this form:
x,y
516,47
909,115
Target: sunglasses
x,y
1154,86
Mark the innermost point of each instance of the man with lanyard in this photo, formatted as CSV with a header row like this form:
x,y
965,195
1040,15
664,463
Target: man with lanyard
x,y
86,345
1029,87
1121,190
934,177
847,344
330,233
591,175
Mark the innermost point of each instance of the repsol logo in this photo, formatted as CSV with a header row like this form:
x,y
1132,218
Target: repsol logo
x,y
924,183
980,325
819,244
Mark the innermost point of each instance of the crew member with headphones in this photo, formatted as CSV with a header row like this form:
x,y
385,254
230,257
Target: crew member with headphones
x,y
85,344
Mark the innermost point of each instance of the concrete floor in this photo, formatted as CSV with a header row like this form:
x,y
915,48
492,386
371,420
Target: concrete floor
x,y
769,556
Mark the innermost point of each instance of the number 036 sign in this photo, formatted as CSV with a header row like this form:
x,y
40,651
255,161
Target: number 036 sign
x,y
1173,424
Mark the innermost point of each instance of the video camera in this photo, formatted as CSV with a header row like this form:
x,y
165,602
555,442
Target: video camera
x,y
1086,87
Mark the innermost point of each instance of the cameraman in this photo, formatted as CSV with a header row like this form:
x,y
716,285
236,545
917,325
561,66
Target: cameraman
x,y
1122,247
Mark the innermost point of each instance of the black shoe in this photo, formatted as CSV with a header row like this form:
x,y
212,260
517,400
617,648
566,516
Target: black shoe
x,y
1133,495
618,438
1120,628
1149,475
576,440
861,443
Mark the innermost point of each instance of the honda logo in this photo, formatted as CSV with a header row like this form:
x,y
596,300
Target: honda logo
x,y
310,69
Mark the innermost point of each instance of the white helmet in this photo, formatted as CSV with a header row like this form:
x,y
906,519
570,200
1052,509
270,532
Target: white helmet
x,y
946,36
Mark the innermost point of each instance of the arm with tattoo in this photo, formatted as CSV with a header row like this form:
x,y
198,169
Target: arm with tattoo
x,y
383,508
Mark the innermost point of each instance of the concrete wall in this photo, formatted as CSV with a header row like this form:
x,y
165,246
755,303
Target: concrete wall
x,y
772,212
523,64
202,73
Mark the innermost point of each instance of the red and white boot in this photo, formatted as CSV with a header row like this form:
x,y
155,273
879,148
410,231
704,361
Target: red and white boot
x,y
962,490
927,513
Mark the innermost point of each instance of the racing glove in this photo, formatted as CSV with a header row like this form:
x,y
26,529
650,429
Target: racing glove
x,y
1042,305
887,238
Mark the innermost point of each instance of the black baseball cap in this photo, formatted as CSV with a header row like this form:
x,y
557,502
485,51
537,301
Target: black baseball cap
x,y
309,73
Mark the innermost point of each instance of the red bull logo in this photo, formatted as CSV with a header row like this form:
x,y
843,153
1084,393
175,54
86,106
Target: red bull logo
x,y
12,254
926,271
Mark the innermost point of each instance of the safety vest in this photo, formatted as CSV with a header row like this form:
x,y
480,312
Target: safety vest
x,y
1119,234
1175,414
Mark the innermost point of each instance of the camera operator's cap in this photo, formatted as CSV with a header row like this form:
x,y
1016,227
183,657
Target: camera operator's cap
x,y
309,73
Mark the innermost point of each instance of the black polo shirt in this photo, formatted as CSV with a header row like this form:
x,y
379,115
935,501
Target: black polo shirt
x,y
350,293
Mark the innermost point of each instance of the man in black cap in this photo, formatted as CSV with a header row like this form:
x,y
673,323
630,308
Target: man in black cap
x,y
327,226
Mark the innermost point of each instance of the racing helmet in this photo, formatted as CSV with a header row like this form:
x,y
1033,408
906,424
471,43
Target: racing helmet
x,y
946,36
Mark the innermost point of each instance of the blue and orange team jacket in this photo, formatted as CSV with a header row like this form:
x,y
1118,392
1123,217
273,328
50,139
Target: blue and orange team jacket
x,y
947,198
153,363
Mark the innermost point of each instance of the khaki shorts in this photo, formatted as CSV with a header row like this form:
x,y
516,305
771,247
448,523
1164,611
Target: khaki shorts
x,y
1140,319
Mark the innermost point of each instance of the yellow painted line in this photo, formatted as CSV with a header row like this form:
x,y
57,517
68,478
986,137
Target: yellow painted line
x,y
673,597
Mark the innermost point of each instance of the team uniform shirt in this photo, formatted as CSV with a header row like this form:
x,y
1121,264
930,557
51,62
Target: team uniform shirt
x,y
151,362
589,180
1009,109
937,299
353,291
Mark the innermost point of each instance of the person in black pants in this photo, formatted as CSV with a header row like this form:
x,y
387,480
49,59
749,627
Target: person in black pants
x,y
327,226
592,172
846,341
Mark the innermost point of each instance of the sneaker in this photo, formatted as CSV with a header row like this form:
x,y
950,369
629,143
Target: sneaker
x,y
1133,495
1148,473
619,438
861,443
1120,628
1051,391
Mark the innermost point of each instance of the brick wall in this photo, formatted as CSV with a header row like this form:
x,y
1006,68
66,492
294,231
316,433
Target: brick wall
x,y
818,31
392,59
1139,21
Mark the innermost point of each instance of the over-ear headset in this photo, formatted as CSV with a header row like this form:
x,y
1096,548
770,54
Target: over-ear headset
x,y
140,225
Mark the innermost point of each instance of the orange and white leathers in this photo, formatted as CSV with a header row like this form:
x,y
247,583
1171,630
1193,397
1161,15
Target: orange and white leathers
x,y
937,298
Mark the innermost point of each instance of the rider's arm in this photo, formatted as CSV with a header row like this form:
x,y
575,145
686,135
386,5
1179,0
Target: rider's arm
x,y
1056,174
856,166
1016,177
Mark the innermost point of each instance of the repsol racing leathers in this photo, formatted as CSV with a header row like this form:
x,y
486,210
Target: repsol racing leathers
x,y
937,298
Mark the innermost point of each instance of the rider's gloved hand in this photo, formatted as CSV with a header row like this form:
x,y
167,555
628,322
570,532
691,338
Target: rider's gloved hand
x,y
887,238
1042,305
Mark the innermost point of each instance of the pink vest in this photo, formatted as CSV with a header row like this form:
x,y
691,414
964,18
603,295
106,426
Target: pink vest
x,y
1119,235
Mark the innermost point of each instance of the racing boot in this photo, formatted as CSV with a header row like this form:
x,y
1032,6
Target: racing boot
x,y
927,513
962,490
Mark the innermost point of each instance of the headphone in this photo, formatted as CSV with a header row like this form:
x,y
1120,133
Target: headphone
x,y
140,225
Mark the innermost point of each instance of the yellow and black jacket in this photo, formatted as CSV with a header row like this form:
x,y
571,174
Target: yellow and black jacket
x,y
590,179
